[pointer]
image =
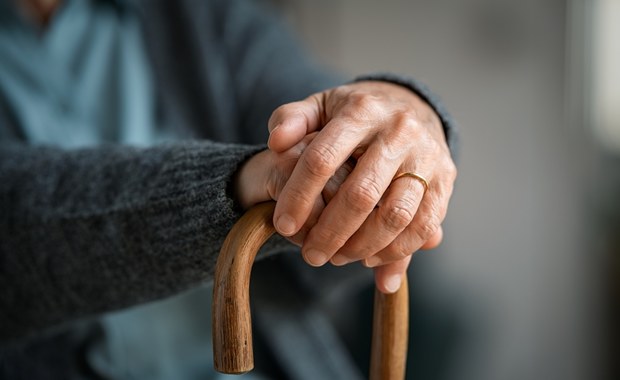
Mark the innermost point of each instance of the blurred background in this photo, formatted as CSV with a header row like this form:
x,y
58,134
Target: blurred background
x,y
527,282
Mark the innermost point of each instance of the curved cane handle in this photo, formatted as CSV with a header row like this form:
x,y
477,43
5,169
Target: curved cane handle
x,y
232,324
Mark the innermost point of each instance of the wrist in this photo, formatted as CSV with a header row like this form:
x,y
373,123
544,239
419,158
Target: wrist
x,y
250,181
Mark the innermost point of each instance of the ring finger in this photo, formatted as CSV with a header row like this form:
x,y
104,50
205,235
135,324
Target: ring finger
x,y
424,226
393,214
351,206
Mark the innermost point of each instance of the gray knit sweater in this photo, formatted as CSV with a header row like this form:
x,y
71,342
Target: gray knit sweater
x,y
93,230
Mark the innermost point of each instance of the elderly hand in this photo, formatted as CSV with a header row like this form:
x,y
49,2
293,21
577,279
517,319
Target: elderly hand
x,y
387,130
265,174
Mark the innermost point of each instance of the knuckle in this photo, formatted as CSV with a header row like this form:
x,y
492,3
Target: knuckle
x,y
328,237
363,105
398,251
365,100
398,215
427,227
407,120
405,128
363,196
297,197
319,159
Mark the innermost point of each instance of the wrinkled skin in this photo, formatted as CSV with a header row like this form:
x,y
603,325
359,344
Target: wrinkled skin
x,y
330,165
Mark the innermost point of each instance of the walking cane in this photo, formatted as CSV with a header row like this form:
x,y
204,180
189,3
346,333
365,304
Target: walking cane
x,y
232,325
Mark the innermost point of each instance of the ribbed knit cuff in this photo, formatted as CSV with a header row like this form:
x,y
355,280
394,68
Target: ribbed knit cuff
x,y
194,170
109,227
194,206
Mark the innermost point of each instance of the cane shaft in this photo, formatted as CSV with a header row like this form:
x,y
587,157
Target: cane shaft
x,y
232,324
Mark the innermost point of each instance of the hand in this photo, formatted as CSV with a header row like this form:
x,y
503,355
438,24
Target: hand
x,y
388,130
262,178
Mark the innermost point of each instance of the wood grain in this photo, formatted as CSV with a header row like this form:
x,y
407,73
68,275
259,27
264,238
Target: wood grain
x,y
232,324
390,333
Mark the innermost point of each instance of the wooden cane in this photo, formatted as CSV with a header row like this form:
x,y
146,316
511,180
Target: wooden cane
x,y
232,324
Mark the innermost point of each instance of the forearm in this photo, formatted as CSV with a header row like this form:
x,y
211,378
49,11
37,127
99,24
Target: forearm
x,y
87,231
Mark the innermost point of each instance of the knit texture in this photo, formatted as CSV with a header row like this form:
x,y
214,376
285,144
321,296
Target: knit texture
x,y
93,230
149,221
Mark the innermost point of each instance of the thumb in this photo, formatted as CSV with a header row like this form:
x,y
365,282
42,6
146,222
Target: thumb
x,y
291,122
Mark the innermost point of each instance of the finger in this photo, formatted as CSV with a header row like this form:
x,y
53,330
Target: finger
x,y
334,183
434,241
281,170
316,165
283,164
424,226
300,236
327,194
351,206
393,214
388,278
289,123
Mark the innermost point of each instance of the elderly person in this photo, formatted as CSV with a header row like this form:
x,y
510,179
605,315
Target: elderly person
x,y
132,136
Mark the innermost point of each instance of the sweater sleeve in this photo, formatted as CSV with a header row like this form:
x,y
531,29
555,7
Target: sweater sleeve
x,y
93,230
86,231
269,64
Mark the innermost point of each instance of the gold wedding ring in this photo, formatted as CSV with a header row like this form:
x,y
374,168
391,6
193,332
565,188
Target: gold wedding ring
x,y
417,177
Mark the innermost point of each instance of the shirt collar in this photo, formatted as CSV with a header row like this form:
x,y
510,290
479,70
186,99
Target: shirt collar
x,y
8,11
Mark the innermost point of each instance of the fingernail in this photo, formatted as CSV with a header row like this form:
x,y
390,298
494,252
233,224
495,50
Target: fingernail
x,y
339,260
286,225
372,262
315,257
274,128
270,134
392,283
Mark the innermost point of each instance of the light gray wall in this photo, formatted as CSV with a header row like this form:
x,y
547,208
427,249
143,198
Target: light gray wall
x,y
514,262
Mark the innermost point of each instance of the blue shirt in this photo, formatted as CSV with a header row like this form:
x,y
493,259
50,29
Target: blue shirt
x,y
83,80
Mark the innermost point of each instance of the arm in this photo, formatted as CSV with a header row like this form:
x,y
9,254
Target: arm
x,y
269,66
82,232
406,121
92,230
